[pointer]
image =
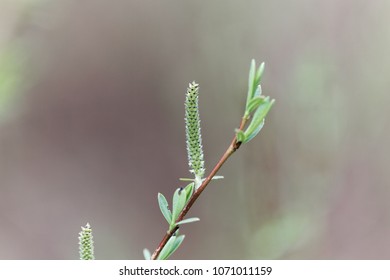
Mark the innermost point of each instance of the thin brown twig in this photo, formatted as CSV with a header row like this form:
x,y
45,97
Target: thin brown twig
x,y
230,150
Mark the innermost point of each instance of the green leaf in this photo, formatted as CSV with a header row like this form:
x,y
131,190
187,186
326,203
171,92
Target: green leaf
x,y
240,135
187,221
165,252
258,91
163,203
258,119
179,200
189,189
251,81
259,73
176,244
171,246
253,104
147,254
254,133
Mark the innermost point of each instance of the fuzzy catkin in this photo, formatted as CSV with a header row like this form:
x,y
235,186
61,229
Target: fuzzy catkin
x,y
86,248
193,133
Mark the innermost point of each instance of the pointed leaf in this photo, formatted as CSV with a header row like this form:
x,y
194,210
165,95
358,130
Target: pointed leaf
x,y
258,118
165,252
176,242
251,80
163,203
258,91
259,73
179,200
189,189
187,221
216,177
254,133
147,254
253,104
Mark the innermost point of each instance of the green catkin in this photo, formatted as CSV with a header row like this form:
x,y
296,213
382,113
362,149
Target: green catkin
x,y
86,248
193,134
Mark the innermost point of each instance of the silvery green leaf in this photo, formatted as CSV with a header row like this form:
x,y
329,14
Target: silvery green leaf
x,y
253,104
187,221
258,118
177,243
240,135
179,200
254,133
189,189
216,177
251,80
171,246
259,73
258,91
163,203
165,252
147,254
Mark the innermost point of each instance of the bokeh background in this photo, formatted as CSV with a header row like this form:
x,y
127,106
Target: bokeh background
x,y
92,127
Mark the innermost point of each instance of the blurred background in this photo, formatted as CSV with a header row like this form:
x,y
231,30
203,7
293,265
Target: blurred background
x,y
92,127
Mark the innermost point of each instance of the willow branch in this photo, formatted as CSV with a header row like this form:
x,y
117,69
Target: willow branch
x,y
230,150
